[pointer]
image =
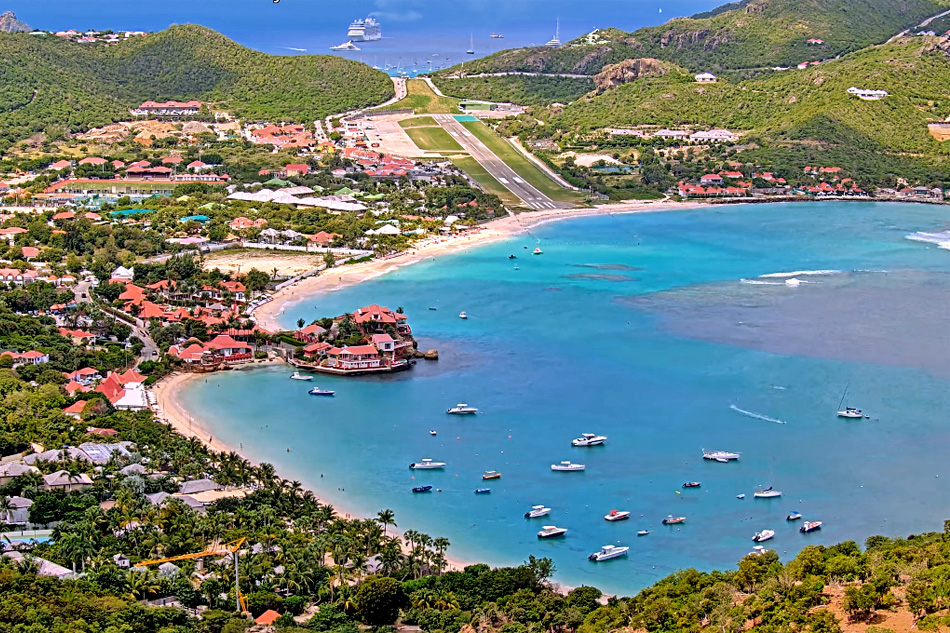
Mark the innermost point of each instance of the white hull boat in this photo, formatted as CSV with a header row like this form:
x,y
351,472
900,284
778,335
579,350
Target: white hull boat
x,y
721,456
427,464
537,512
769,493
763,536
462,409
298,376
617,515
551,531
589,439
608,552
567,467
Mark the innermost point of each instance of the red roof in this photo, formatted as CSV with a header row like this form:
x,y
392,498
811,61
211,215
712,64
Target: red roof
x,y
93,160
131,376
226,342
111,388
297,167
75,407
29,251
268,617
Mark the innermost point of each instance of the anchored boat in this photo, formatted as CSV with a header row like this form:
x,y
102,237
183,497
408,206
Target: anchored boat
x,y
537,511
617,515
764,535
671,520
427,464
810,526
462,409
608,552
568,467
589,439
551,531
298,376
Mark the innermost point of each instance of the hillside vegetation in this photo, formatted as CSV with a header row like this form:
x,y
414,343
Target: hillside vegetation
x,y
743,35
50,85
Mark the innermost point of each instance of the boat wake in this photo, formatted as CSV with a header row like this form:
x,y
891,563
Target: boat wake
x,y
801,273
941,238
753,414
759,282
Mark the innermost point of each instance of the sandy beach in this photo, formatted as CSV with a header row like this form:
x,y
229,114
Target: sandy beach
x,y
268,315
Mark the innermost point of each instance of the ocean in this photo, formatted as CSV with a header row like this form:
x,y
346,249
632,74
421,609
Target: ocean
x,y
667,332
415,32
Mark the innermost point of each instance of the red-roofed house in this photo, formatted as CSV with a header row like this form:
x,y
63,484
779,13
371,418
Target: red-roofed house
x,y
111,388
93,160
193,353
310,334
297,169
59,165
172,160
354,357
383,342
267,618
132,294
229,348
78,337
75,409
29,252
31,357
72,388
711,179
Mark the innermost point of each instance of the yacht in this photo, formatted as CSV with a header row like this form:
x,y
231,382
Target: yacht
x,y
346,46
422,489
555,42
462,315
568,467
298,376
367,30
433,433
482,491
536,512
462,409
491,474
643,532
427,464
537,251
720,456
692,484
810,526
768,493
471,46
551,531
617,515
793,516
317,391
671,520
740,496
589,439
852,413
763,536
607,552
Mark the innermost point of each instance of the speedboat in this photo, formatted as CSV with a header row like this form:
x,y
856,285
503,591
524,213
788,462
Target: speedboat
x,y
720,456
617,515
607,552
768,493
643,532
462,315
427,464
317,391
512,256
589,439
852,413
793,516
537,251
462,409
537,511
433,308
422,489
742,496
763,536
491,474
346,46
810,526
692,484
551,531
482,491
298,376
433,433
671,520
568,467
758,550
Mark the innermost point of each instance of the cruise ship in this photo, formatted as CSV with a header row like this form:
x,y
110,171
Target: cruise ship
x,y
364,31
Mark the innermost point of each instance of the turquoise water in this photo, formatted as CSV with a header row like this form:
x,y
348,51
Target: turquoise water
x,y
640,328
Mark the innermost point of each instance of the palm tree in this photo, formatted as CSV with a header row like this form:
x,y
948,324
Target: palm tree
x,y
386,518
6,508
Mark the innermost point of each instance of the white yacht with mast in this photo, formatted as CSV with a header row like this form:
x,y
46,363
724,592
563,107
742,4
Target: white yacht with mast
x,y
556,41
471,45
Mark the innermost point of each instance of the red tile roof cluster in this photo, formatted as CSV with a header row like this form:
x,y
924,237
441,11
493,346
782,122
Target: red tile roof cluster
x,y
283,136
241,223
687,190
378,314
170,105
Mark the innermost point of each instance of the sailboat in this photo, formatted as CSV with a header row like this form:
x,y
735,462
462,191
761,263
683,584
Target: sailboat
x,y
556,42
471,45
849,412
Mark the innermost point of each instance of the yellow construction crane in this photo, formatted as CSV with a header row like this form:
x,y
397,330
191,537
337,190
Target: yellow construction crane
x,y
215,549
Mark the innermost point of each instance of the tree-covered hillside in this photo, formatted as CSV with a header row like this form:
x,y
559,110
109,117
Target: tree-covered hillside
x,y
50,85
747,34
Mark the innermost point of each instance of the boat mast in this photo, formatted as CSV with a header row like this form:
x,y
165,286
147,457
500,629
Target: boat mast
x,y
844,395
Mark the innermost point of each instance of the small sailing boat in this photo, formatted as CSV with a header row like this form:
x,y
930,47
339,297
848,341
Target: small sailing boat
x,y
849,412
471,46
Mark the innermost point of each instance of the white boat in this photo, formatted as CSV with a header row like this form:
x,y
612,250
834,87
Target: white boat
x,y
617,515
609,551
672,520
462,315
346,46
433,432
471,46
298,376
758,550
568,467
854,414
742,496
537,511
555,42
537,251
462,409
427,464
643,532
764,535
367,30
589,439
551,531
720,456
768,493
497,36
810,526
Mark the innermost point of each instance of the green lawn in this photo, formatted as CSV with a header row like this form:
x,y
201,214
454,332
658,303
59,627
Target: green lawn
x,y
419,121
423,101
517,161
433,139
476,171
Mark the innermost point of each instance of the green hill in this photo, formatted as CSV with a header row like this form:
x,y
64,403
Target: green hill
x,y
47,84
743,35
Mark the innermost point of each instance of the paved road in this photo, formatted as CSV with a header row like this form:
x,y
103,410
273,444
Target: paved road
x,y
508,177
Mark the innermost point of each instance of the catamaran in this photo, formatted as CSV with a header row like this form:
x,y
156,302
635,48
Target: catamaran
x,y
607,552
427,464
536,512
551,531
462,409
764,535
589,439
568,467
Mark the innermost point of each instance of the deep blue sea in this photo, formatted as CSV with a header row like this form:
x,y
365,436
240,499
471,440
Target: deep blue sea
x,y
415,32
640,327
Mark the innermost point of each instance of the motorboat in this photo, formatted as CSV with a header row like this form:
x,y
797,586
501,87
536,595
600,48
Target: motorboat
x,y
298,376
721,456
768,493
568,467
671,520
482,491
462,409
643,532
317,391
433,433
692,484
512,256
758,550
491,474
537,251
617,515
852,413
741,496
433,308
551,531
536,512
589,439
793,516
764,535
810,526
422,489
497,36
427,464
345,46
607,552
462,315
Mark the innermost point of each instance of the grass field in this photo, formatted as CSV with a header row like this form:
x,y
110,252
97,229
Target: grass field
x,y
517,161
433,139
419,121
422,100
476,171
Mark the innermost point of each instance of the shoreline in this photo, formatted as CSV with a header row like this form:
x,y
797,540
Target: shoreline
x,y
267,316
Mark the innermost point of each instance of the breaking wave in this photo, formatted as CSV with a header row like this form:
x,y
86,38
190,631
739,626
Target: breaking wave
x,y
800,273
941,238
